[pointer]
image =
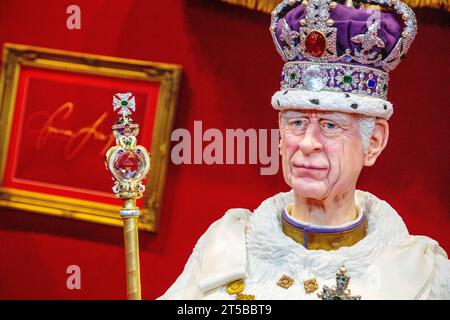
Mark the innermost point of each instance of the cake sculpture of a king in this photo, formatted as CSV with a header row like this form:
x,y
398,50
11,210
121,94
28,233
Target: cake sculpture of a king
x,y
324,239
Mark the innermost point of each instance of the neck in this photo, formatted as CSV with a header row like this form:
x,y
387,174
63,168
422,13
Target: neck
x,y
331,211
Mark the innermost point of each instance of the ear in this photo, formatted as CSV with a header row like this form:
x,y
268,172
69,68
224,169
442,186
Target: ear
x,y
378,142
280,141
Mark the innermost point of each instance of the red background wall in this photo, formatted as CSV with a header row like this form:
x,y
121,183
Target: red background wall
x,y
230,71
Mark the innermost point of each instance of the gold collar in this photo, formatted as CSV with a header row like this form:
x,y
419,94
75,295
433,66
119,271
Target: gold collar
x,y
325,239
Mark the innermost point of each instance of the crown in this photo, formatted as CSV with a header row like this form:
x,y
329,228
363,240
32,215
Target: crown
x,y
344,48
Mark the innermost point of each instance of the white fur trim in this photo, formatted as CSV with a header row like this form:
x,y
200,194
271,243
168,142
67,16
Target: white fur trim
x,y
332,101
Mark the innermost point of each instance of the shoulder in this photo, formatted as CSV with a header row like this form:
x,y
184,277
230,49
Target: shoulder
x,y
416,268
223,251
232,223
234,219
439,279
218,257
231,217
432,264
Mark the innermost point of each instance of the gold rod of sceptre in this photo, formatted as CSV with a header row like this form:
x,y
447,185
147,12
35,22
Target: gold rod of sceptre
x,y
129,163
131,238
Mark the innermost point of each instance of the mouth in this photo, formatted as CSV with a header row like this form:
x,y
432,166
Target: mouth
x,y
309,167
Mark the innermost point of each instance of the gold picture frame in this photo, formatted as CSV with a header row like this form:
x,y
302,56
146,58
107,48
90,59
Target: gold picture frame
x,y
168,77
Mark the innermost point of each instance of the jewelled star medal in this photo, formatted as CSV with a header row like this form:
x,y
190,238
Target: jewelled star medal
x,y
340,291
128,163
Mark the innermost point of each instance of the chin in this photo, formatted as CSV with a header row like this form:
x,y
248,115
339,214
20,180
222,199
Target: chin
x,y
309,188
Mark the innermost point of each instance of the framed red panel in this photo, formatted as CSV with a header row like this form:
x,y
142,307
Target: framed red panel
x,y
55,122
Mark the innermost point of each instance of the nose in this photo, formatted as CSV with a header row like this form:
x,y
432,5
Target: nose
x,y
310,141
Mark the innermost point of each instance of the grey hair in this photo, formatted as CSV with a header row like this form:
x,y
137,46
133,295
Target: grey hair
x,y
366,126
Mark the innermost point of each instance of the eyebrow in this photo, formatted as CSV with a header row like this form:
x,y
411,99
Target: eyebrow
x,y
291,114
337,117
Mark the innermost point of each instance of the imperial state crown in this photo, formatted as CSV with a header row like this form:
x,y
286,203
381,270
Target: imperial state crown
x,y
338,56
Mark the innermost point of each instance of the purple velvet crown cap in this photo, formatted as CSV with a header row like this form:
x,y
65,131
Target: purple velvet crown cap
x,y
350,22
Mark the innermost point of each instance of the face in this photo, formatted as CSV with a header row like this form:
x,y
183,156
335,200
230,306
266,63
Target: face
x,y
322,152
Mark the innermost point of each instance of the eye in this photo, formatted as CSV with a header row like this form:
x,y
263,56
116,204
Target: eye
x,y
297,123
329,125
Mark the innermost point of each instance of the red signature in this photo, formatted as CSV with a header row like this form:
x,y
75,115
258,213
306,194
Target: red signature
x,y
77,139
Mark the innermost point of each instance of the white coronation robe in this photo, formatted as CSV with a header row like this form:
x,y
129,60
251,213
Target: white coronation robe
x,y
388,263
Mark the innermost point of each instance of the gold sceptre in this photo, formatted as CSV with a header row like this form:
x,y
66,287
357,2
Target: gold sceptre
x,y
129,163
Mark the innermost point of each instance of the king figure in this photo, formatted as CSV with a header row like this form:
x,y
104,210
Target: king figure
x,y
324,239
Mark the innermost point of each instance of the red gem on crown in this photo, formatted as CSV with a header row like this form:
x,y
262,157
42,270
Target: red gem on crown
x,y
315,44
